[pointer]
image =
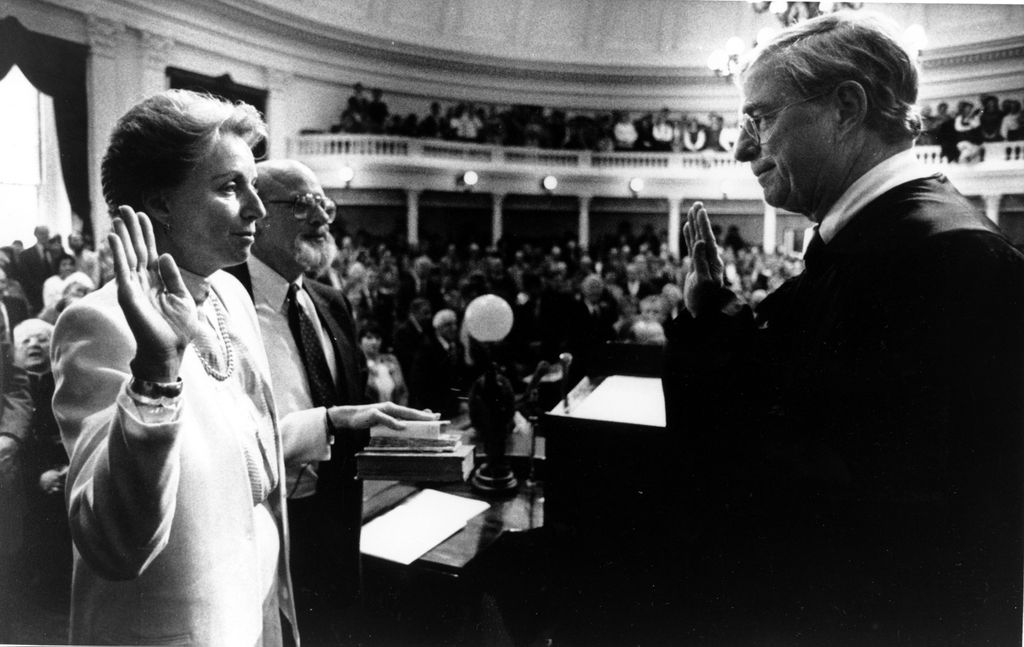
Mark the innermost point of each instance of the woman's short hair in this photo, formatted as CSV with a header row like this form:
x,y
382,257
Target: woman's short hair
x,y
820,53
157,142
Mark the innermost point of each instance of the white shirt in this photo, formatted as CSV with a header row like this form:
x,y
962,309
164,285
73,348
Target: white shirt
x,y
899,169
291,386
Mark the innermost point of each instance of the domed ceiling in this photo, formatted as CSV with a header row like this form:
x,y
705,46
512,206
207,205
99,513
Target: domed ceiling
x,y
609,33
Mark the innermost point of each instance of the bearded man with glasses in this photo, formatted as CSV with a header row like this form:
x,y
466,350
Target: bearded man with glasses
x,y
852,452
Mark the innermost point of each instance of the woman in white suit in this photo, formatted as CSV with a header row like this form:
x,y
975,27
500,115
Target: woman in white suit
x,y
174,490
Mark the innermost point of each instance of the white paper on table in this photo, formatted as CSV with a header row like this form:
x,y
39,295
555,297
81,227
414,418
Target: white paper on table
x,y
625,398
421,522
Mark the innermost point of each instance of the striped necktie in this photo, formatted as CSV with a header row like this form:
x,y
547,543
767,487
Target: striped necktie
x,y
321,385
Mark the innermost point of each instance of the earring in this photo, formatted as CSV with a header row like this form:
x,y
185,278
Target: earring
x,y
166,226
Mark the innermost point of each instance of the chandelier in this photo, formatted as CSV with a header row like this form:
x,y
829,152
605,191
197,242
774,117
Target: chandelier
x,y
790,13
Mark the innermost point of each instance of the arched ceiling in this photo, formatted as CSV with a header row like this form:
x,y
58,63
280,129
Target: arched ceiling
x,y
617,34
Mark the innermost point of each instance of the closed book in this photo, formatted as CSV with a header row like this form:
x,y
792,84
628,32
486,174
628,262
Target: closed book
x,y
433,466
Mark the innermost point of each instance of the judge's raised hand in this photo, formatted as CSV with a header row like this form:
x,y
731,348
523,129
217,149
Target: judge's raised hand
x,y
706,273
160,312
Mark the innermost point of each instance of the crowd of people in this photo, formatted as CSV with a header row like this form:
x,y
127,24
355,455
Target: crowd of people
x,y
541,127
841,461
960,134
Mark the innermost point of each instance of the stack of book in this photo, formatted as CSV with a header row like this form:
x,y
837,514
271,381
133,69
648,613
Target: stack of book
x,y
421,452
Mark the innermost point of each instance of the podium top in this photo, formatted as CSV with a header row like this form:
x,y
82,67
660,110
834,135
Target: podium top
x,y
617,398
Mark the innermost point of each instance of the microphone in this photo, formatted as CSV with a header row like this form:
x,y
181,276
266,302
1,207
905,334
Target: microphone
x,y
565,359
542,369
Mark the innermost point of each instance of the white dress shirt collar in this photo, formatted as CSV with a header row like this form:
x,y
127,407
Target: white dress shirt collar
x,y
899,169
268,287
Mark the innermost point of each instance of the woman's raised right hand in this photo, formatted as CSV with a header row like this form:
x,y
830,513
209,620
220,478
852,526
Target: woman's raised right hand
x,y
160,312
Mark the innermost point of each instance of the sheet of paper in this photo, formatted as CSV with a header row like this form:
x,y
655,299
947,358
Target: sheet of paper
x,y
415,526
625,398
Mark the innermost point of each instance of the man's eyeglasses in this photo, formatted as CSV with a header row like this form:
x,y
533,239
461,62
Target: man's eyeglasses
x,y
752,125
304,204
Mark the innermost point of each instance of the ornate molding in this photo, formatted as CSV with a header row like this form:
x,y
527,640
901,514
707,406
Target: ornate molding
x,y
105,36
156,50
277,80
974,54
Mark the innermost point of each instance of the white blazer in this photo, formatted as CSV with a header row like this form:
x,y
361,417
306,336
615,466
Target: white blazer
x,y
162,515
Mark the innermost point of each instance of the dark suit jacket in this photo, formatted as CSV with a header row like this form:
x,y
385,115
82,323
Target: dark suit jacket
x,y
863,435
339,494
17,311
436,377
32,272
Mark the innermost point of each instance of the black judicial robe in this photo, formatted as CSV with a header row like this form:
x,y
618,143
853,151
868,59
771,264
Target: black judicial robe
x,y
851,458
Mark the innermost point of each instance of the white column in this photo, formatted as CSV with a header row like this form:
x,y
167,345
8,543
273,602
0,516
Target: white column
x,y
674,224
106,43
992,207
156,51
584,222
278,83
497,217
412,216
770,219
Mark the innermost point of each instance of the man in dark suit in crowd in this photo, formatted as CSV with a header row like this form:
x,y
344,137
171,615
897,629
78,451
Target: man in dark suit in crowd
x,y
590,323
853,455
35,265
319,385
411,333
437,376
13,310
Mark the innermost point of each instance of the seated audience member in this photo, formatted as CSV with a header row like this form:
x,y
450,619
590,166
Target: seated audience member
x,y
695,136
1010,129
663,132
646,332
76,286
44,464
624,132
412,332
35,264
990,120
590,322
53,286
436,379
86,260
13,310
385,382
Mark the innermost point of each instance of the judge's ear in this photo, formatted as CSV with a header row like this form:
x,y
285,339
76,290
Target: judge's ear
x,y
852,104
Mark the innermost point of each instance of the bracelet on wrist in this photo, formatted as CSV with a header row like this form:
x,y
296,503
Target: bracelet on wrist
x,y
155,394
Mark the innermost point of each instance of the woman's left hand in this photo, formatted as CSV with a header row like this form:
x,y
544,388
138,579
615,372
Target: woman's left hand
x,y
364,416
160,312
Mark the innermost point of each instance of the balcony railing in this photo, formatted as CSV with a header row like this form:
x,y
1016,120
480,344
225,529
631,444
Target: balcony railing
x,y
385,146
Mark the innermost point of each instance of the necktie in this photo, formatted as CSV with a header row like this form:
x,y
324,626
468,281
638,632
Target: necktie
x,y
815,251
321,384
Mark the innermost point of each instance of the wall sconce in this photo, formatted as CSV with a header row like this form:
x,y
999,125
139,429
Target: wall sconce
x,y
636,185
467,180
345,175
549,183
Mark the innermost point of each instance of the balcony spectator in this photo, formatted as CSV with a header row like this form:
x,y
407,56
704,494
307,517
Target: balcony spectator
x,y
663,132
494,127
644,132
929,125
377,112
990,119
967,123
358,103
624,132
695,136
714,132
535,134
430,126
1010,128
945,132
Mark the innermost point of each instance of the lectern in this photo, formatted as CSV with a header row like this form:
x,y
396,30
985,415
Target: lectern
x,y
608,456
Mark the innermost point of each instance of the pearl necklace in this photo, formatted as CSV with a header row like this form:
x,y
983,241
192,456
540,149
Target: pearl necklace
x,y
224,339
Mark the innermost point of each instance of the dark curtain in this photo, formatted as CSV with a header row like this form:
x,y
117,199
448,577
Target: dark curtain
x,y
226,88
56,67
